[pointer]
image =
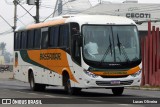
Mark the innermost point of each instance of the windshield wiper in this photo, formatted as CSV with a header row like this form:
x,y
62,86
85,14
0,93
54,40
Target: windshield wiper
x,y
120,46
107,51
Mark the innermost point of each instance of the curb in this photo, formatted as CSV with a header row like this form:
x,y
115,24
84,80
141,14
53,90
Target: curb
x,y
144,88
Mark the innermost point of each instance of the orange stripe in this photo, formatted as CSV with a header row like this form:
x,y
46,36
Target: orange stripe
x,y
117,73
49,23
54,65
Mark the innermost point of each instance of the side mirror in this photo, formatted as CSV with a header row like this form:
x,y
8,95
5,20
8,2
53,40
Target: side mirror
x,y
78,38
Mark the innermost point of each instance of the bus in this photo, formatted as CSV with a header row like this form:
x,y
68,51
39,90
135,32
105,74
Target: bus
x,y
79,52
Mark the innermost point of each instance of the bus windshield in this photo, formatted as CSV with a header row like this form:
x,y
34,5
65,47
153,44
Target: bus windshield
x,y
111,43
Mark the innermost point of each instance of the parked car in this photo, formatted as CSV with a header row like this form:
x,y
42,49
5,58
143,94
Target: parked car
x,y
4,68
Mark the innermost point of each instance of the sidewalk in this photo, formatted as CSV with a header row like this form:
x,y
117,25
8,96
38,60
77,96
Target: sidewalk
x,y
6,75
145,88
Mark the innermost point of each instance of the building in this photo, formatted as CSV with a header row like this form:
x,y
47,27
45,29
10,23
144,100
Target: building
x,y
140,13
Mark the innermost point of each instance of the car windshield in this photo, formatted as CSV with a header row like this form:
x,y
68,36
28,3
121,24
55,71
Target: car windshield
x,y
111,43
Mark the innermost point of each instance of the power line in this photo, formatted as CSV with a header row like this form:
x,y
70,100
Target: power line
x,y
53,12
7,22
9,3
6,32
26,12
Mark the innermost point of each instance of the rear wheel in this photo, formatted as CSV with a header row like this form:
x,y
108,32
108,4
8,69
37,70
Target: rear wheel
x,y
118,91
34,86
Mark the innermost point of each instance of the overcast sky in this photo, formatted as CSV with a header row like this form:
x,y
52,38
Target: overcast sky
x,y
7,10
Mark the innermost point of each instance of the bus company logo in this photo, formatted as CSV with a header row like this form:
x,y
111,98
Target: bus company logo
x,y
16,59
6,101
50,56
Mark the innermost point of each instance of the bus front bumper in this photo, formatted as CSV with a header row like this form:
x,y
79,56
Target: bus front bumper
x,y
112,82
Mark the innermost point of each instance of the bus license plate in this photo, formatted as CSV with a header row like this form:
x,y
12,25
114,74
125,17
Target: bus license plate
x,y
115,82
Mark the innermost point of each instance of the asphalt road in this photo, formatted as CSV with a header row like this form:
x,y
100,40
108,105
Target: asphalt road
x,y
56,96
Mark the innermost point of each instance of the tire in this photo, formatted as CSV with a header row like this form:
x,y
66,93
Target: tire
x,y
34,86
71,90
118,91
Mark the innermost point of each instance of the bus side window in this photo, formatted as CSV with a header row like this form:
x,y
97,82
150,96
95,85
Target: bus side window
x,y
30,39
44,39
53,36
64,36
37,39
24,40
17,40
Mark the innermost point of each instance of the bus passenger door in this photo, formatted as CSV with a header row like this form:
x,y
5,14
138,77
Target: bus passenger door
x,y
76,51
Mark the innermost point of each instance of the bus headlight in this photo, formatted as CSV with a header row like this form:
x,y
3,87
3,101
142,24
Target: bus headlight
x,y
137,73
90,74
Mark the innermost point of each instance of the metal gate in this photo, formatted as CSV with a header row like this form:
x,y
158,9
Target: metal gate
x,y
151,57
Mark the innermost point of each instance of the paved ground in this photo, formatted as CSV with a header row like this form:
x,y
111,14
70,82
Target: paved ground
x,y
6,75
10,88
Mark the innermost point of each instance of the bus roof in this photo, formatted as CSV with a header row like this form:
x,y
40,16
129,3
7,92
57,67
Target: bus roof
x,y
100,19
81,19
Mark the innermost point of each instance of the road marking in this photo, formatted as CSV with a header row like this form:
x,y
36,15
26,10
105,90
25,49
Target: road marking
x,y
57,96
124,104
95,101
33,93
64,97
51,96
5,89
26,93
20,92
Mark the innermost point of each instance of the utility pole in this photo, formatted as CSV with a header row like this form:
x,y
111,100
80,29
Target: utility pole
x,y
37,11
55,8
100,1
15,14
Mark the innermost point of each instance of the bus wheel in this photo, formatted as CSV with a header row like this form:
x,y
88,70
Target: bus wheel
x,y
71,90
34,86
118,91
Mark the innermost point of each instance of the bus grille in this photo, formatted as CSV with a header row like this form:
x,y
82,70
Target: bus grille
x,y
108,83
124,76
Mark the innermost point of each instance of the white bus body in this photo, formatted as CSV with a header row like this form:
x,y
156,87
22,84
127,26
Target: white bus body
x,y
53,53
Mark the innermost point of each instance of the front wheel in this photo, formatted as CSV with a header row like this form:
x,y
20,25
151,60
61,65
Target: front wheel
x,y
71,90
118,91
